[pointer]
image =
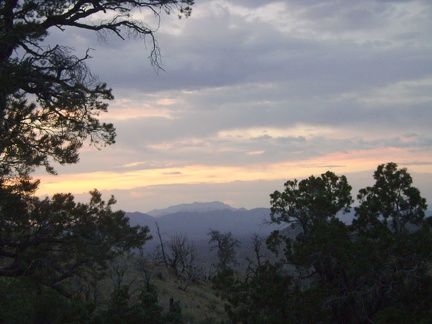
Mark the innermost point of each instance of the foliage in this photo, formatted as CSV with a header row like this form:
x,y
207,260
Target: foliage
x,y
391,199
376,270
50,104
49,99
311,201
122,309
136,299
253,299
24,301
394,244
54,239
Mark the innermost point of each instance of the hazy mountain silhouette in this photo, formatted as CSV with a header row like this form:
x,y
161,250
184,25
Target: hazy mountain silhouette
x,y
195,220
193,207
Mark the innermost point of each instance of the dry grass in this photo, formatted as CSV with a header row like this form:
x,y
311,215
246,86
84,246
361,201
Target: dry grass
x,y
198,302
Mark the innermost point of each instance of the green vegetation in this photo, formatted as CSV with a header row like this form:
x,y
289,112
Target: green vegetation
x,y
55,254
132,289
376,270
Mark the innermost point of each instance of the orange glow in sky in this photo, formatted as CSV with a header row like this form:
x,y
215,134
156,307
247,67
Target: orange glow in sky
x,y
340,163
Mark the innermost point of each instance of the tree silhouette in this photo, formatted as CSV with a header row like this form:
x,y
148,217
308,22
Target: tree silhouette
x,y
49,99
50,104
374,270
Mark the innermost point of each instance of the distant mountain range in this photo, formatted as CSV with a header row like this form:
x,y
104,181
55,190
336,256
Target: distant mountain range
x,y
193,207
195,220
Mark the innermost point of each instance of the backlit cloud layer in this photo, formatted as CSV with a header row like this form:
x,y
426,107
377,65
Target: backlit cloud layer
x,y
257,92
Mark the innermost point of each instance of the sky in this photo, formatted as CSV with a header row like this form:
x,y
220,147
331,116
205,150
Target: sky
x,y
254,93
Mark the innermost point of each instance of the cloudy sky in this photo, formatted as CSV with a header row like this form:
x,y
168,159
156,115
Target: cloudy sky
x,y
256,92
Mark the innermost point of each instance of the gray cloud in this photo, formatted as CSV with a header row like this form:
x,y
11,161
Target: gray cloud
x,y
357,73
234,49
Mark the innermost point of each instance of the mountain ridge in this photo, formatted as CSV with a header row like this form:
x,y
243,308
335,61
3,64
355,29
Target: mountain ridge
x,y
190,207
196,224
